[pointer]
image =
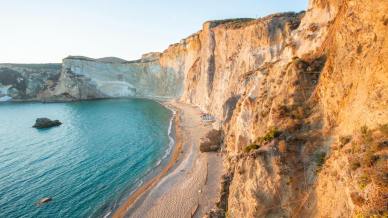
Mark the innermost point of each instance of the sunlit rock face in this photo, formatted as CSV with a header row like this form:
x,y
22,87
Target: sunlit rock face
x,y
316,76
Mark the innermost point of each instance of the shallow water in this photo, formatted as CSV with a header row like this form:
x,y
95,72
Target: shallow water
x,y
87,165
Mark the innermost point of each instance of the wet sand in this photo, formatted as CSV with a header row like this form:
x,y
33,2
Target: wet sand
x,y
189,184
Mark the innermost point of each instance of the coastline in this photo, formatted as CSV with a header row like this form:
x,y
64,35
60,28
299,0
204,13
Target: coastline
x,y
162,195
183,185
122,210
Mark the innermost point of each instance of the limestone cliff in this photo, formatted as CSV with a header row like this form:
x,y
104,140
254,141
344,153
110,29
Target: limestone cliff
x,y
301,98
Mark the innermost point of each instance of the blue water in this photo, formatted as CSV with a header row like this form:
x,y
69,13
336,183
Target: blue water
x,y
88,165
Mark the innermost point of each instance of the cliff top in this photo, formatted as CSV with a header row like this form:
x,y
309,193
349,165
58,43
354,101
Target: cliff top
x,y
235,23
53,66
103,60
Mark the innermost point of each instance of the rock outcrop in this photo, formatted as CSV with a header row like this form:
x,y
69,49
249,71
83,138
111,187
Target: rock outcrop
x,y
212,142
110,77
81,78
27,81
44,123
318,77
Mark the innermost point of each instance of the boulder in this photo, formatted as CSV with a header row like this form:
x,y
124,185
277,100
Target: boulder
x,y
207,146
42,123
212,143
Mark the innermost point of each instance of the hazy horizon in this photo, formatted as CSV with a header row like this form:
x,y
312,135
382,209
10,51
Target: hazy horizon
x,y
52,30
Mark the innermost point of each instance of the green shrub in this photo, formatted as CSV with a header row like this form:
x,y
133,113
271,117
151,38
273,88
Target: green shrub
x,y
232,23
269,136
251,147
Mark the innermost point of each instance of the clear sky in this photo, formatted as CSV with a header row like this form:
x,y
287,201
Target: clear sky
x,y
40,31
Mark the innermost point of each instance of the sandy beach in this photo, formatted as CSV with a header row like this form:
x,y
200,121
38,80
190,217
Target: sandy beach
x,y
189,184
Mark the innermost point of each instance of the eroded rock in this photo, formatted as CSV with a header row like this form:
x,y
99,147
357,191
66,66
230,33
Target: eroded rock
x,y
44,123
212,142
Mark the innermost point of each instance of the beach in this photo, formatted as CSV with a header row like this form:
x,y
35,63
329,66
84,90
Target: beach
x,y
189,184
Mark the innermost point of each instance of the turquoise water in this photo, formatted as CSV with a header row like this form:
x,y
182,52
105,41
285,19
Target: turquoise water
x,y
88,165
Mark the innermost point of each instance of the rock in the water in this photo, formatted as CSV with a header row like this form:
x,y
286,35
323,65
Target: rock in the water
x,y
42,123
44,200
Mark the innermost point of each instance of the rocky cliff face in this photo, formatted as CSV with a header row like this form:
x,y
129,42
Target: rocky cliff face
x,y
80,78
301,99
309,89
111,78
322,85
27,81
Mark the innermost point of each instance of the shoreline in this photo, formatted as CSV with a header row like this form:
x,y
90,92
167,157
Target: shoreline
x,y
186,186
48,101
187,182
148,185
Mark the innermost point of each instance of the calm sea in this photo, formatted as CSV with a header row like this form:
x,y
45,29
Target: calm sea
x,y
101,153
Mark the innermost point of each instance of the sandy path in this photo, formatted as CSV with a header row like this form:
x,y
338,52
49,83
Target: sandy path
x,y
193,184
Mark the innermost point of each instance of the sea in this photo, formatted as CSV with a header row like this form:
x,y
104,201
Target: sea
x,y
103,151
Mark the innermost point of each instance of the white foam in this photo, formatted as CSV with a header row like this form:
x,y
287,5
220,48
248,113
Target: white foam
x,y
107,214
171,139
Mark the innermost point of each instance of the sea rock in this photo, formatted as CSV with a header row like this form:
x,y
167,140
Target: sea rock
x,y
42,123
44,200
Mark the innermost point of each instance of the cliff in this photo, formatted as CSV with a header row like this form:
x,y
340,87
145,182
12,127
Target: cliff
x,y
27,81
310,90
81,78
323,82
301,99
113,78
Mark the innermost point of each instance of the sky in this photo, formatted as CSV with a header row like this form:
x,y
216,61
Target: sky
x,y
46,31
